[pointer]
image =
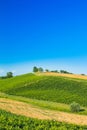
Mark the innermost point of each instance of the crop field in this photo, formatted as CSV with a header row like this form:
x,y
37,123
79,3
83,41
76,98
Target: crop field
x,y
49,88
44,95
10,121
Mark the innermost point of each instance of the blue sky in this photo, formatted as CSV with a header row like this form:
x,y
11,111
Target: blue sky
x,y
47,33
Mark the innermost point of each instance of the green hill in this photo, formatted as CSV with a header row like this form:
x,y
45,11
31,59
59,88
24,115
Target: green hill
x,y
51,88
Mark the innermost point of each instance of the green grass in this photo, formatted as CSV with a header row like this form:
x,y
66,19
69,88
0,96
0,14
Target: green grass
x,y
44,104
10,121
18,81
48,88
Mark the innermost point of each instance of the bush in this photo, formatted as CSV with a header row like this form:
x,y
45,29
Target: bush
x,y
75,107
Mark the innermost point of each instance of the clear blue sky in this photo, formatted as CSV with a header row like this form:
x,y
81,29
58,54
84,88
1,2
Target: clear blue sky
x,y
43,31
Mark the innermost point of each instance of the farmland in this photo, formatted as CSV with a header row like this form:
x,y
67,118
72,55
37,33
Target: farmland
x,y
47,94
50,88
10,121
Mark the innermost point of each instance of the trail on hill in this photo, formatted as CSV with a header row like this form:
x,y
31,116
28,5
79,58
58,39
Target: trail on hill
x,y
29,110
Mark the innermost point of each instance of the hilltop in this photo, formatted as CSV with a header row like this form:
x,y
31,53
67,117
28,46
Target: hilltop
x,y
76,76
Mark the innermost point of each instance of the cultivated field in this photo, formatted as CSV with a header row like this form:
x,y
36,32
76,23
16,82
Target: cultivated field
x,y
46,96
10,121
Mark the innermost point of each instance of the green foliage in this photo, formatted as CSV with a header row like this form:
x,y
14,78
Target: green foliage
x,y
47,70
83,74
35,69
9,74
40,69
64,71
3,77
55,71
50,88
10,121
75,107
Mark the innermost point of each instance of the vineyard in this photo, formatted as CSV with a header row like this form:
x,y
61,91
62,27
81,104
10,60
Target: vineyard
x,y
49,88
42,92
43,65
10,121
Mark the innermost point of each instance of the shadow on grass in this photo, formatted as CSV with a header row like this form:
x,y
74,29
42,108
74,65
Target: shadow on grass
x,y
82,109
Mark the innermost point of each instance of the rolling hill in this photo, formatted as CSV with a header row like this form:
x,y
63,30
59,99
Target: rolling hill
x,y
45,94
50,88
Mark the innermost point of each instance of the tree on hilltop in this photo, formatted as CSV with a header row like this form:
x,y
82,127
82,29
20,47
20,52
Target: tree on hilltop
x,y
35,69
47,70
40,69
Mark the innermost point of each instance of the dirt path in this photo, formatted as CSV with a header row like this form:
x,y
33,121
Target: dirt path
x,y
28,110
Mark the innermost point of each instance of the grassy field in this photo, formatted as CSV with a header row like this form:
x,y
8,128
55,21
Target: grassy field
x,y
43,104
10,121
49,88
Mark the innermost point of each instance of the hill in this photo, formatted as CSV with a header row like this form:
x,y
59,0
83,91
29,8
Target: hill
x,y
45,87
45,96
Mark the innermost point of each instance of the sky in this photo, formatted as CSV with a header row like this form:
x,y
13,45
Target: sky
x,y
47,33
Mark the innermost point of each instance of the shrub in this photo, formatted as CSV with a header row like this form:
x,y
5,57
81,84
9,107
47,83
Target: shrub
x,y
75,107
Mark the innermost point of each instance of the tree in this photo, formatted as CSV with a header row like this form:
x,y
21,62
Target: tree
x,y
83,74
55,71
9,74
40,69
35,69
65,72
47,70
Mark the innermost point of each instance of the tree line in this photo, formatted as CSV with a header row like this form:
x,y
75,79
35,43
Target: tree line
x,y
40,69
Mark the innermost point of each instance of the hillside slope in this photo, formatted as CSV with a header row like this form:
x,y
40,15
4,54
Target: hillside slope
x,y
28,110
52,88
9,121
75,76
